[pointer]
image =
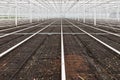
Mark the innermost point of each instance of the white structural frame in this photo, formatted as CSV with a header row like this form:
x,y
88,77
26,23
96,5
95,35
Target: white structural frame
x,y
41,10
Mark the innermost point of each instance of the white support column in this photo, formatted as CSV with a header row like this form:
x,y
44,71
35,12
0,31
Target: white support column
x,y
95,20
16,13
10,8
107,11
19,13
78,11
30,11
8,13
41,14
38,12
84,12
118,13
100,12
47,13
74,13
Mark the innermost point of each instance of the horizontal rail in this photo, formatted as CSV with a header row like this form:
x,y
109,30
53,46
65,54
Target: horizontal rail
x,y
23,41
60,33
7,34
107,27
101,30
14,27
106,45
